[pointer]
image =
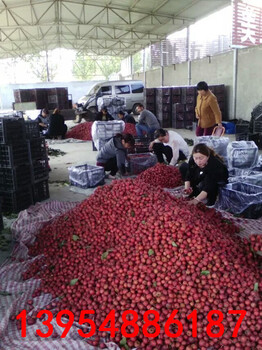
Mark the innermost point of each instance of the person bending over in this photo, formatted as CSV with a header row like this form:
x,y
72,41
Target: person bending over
x,y
113,155
147,122
203,174
170,144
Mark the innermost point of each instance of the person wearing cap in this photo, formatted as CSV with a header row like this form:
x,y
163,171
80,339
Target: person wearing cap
x,y
207,111
103,115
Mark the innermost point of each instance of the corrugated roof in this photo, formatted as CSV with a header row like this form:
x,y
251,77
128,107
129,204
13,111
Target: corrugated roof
x,y
104,27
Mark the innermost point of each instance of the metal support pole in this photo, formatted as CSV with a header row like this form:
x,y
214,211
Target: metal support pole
x,y
131,66
47,66
189,73
144,66
235,76
162,64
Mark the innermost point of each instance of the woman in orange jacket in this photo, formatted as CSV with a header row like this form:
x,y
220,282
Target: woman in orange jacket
x,y
207,110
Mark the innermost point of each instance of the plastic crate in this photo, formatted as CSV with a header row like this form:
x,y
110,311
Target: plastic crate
x,y
254,180
1,216
15,201
241,199
40,191
40,170
38,148
86,176
32,129
106,130
257,125
141,145
242,154
15,154
140,162
218,144
242,127
14,178
11,130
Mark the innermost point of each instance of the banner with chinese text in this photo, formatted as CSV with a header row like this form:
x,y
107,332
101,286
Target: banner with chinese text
x,y
247,23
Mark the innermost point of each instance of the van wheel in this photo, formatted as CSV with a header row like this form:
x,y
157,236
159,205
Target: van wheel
x,y
78,119
134,109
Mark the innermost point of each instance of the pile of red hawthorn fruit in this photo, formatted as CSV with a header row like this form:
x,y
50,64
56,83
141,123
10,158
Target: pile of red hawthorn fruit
x,y
132,246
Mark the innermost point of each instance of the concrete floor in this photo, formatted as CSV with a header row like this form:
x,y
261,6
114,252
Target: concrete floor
x,y
76,153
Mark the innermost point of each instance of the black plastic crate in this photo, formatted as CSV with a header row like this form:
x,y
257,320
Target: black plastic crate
x,y
178,124
163,92
176,91
150,91
38,148
40,191
257,125
178,108
140,162
14,178
40,170
176,98
256,137
1,216
32,129
15,201
242,127
11,130
15,154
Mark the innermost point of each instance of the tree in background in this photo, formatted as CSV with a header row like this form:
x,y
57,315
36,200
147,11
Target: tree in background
x,y
137,62
40,67
86,67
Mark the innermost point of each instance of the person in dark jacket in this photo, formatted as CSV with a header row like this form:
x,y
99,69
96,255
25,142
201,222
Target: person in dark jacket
x,y
103,115
43,120
57,126
113,155
203,175
147,122
127,118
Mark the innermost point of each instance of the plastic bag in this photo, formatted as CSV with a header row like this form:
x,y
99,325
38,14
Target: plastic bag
x,y
242,154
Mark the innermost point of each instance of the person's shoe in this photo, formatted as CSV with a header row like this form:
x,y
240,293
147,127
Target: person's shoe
x,y
111,177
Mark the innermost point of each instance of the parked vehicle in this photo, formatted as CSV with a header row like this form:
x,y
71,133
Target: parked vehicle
x,y
132,90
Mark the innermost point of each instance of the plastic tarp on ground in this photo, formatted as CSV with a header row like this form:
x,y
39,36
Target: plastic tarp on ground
x,y
18,292
24,230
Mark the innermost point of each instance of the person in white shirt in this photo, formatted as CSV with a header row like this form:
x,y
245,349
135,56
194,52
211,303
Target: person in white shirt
x,y
170,144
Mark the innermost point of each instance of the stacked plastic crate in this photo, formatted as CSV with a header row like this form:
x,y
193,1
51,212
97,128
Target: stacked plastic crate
x,y
1,216
164,106
39,162
256,125
15,166
151,99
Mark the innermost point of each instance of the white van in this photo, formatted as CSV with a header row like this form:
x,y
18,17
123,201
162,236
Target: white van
x,y
132,90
